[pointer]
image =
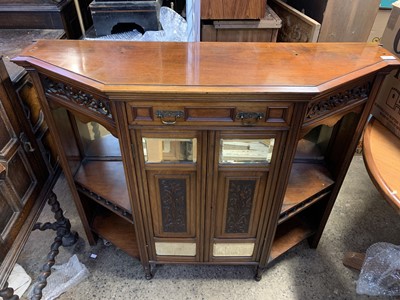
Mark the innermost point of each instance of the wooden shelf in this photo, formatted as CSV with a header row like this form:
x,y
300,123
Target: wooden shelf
x,y
306,181
288,235
105,179
117,231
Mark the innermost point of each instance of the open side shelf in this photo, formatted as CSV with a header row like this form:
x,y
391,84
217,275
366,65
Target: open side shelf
x,y
116,230
288,235
104,182
307,184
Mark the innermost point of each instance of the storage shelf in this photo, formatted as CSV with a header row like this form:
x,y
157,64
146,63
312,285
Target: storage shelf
x,y
117,231
307,182
288,235
105,179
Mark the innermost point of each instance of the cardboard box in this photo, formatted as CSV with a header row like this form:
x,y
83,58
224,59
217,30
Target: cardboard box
x,y
387,105
391,36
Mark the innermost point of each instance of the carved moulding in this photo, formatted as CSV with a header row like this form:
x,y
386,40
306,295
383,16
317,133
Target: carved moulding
x,y
83,99
337,101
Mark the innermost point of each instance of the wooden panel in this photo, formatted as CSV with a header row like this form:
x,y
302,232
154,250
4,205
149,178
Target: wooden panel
x,y
21,175
5,135
173,202
6,213
346,21
232,9
272,113
238,203
261,30
296,26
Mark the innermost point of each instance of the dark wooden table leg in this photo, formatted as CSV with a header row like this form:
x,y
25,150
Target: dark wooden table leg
x,y
65,237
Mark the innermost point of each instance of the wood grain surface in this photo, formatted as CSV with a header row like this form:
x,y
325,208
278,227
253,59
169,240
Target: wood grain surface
x,y
381,156
206,67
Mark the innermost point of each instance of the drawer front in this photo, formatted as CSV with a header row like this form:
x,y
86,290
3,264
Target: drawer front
x,y
235,113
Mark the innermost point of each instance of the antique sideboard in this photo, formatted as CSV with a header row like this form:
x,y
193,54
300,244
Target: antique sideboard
x,y
213,153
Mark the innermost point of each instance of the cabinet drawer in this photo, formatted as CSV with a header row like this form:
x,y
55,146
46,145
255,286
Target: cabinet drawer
x,y
240,113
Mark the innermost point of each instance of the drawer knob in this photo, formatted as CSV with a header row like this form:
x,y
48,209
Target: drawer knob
x,y
249,118
169,117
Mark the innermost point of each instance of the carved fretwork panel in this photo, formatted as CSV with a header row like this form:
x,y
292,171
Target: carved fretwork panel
x,y
73,95
239,207
173,204
345,98
238,203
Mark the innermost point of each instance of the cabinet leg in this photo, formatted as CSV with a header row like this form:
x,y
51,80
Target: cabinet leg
x,y
259,273
7,293
148,273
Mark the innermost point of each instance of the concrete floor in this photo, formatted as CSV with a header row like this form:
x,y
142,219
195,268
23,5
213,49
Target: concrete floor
x,y
360,218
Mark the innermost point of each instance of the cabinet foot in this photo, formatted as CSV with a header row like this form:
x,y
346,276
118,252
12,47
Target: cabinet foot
x,y
7,293
259,273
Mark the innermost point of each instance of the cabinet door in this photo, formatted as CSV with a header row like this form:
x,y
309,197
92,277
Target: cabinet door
x,y
240,192
173,178
21,173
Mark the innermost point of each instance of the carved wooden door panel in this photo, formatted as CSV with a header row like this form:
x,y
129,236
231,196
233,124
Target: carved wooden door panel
x,y
241,189
172,162
22,173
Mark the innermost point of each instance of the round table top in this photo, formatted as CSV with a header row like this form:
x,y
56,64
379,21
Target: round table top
x,y
381,151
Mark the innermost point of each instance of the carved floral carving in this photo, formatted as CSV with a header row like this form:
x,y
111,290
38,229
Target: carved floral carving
x,y
173,204
324,106
77,96
240,201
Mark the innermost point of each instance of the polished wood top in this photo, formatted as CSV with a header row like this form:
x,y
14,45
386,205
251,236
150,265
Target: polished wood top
x,y
206,67
381,149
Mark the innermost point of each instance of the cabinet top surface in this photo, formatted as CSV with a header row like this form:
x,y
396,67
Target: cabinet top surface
x,y
208,67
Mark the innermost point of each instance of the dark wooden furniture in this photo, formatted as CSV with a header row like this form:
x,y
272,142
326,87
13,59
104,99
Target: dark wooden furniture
x,y
212,153
28,164
45,14
111,17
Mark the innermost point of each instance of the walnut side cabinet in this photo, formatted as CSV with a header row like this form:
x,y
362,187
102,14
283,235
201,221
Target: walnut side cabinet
x,y
207,153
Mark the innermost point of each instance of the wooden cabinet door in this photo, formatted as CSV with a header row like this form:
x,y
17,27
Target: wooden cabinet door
x,y
22,171
240,192
172,162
